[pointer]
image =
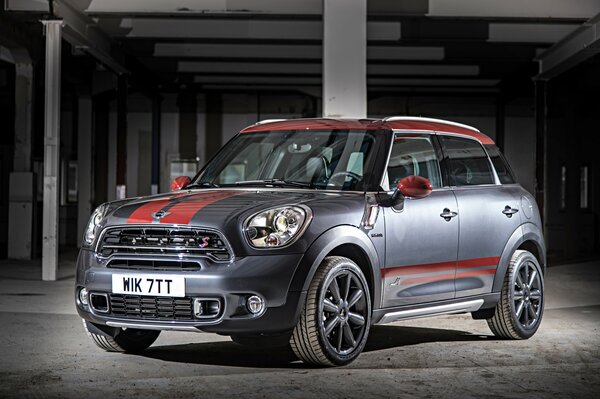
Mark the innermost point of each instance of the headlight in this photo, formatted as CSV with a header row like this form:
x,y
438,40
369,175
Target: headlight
x,y
276,227
92,228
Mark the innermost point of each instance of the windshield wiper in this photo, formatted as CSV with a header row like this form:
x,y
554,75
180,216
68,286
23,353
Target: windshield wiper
x,y
202,184
276,182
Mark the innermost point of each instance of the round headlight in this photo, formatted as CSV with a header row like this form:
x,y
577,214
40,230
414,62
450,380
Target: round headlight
x,y
92,228
276,227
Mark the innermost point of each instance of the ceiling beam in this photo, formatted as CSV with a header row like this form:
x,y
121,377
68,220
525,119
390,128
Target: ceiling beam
x,y
577,47
81,33
543,9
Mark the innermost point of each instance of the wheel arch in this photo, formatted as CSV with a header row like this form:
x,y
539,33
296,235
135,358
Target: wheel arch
x,y
347,241
528,237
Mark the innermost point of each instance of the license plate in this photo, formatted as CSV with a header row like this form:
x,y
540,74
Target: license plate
x,y
148,284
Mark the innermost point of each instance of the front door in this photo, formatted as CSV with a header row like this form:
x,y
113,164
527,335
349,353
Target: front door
x,y
421,245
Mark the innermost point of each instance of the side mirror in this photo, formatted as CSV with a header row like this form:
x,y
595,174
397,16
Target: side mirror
x,y
179,183
415,187
411,187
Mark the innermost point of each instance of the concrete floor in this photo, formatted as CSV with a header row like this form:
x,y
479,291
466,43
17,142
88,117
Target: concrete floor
x,y
44,352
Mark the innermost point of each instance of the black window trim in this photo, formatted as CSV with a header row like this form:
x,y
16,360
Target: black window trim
x,y
445,160
505,161
436,147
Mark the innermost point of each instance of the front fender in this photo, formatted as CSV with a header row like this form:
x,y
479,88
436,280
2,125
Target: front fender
x,y
525,232
325,244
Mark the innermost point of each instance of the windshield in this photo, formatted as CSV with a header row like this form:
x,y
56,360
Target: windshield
x,y
323,159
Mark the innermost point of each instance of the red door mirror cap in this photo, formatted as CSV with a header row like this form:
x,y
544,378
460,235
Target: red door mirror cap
x,y
179,183
415,186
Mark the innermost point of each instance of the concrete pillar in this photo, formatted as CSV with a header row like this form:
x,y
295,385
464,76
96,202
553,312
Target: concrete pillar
x,y
53,31
122,137
22,180
345,58
84,164
156,110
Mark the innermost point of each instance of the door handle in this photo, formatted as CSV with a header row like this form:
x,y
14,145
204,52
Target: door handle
x,y
447,214
508,211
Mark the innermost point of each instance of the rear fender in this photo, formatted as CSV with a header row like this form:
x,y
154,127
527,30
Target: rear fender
x,y
525,232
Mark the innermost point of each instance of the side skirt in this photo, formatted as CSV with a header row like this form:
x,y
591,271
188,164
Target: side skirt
x,y
452,306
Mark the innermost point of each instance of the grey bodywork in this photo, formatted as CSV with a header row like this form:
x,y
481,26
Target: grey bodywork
x,y
281,276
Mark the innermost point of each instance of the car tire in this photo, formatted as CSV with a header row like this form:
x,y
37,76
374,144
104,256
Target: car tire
x,y
519,312
336,317
126,340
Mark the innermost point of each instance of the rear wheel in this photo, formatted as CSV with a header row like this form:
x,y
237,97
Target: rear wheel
x,y
519,312
126,339
334,323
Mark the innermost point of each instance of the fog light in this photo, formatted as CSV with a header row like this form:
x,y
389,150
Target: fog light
x,y
83,296
255,304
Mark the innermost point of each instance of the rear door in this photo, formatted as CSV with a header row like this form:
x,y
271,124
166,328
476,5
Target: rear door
x,y
421,245
488,214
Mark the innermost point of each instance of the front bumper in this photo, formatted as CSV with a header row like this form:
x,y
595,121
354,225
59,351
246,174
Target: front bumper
x,y
231,283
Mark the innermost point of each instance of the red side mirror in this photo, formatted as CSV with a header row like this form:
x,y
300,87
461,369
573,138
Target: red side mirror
x,y
179,183
415,187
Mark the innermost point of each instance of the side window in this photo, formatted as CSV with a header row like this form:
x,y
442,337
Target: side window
x,y
468,164
503,170
413,155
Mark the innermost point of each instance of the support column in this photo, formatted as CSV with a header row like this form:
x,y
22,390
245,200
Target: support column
x,y
540,147
53,31
84,163
122,137
156,110
22,180
345,58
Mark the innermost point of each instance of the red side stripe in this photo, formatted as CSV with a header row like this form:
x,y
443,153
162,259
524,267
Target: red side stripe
x,y
418,269
183,212
439,267
478,262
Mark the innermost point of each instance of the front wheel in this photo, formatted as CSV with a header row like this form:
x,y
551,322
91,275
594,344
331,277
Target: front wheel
x,y
335,321
519,312
125,340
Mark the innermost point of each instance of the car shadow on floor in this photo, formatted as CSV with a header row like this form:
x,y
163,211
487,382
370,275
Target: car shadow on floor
x,y
234,355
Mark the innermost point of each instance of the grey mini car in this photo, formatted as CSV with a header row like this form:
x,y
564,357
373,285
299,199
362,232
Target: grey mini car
x,y
307,232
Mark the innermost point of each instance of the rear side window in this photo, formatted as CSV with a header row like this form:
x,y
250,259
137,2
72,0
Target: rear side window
x,y
468,163
503,170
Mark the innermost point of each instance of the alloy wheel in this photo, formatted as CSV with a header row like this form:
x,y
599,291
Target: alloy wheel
x,y
343,312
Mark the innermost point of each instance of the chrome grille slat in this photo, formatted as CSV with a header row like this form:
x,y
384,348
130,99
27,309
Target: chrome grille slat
x,y
124,246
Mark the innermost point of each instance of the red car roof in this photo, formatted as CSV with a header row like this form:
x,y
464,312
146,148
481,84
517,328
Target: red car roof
x,y
393,123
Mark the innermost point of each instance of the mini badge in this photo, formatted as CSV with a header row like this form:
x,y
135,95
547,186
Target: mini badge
x,y
160,214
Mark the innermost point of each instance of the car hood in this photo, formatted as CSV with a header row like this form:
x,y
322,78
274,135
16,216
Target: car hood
x,y
226,210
